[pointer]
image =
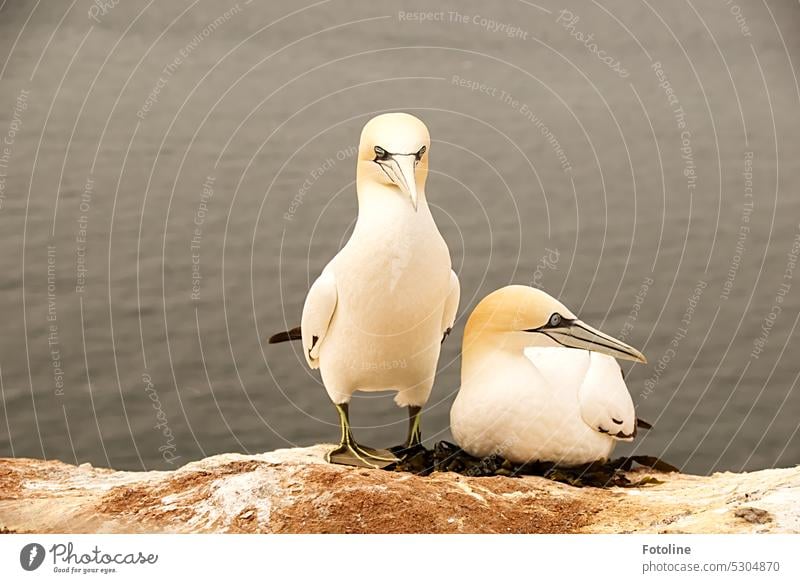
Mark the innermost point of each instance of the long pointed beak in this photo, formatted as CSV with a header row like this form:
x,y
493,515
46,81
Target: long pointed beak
x,y
404,168
577,334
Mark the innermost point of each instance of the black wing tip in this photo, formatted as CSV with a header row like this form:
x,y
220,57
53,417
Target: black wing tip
x,y
287,336
446,334
642,424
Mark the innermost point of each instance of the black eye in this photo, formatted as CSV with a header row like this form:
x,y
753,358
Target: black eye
x,y
381,154
421,153
555,320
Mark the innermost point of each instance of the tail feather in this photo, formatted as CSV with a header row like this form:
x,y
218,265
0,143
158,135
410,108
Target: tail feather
x,y
288,336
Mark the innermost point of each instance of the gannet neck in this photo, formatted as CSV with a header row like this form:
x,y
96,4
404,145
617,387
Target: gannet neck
x,y
484,348
387,200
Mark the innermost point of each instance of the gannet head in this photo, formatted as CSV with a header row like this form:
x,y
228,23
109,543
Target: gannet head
x,y
394,152
523,310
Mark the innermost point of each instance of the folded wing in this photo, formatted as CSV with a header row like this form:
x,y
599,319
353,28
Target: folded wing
x,y
451,305
605,403
317,314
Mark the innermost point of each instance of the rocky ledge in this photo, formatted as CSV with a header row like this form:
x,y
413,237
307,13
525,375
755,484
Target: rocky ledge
x,y
295,491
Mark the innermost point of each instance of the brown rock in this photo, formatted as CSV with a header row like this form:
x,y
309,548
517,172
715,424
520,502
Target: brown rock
x,y
295,491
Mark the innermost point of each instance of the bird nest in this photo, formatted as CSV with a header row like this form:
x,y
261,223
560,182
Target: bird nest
x,y
447,457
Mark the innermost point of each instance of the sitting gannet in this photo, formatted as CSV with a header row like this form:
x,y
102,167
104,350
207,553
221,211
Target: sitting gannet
x,y
537,384
375,318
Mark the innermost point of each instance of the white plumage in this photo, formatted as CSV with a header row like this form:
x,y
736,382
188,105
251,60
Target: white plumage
x,y
526,396
375,318
381,307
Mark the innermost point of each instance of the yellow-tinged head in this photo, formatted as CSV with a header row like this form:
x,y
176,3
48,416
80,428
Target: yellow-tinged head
x,y
519,309
393,152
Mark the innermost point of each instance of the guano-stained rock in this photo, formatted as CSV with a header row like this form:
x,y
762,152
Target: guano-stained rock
x,y
295,491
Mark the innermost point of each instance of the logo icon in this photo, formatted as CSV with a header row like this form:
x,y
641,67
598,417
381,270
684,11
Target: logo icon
x,y
31,556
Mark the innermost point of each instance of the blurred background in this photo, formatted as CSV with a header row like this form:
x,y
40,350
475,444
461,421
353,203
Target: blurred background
x,y
173,176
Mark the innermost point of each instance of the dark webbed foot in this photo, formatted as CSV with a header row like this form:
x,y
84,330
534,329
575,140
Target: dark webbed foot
x,y
350,453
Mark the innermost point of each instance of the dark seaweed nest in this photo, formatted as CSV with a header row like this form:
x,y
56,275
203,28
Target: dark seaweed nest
x,y
447,457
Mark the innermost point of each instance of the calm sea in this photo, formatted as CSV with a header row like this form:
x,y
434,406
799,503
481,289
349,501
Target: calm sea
x,y
174,175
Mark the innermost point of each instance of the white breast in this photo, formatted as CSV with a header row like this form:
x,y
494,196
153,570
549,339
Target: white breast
x,y
542,404
393,280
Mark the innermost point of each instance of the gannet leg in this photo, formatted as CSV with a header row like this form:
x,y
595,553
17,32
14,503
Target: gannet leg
x,y
413,442
350,453
414,433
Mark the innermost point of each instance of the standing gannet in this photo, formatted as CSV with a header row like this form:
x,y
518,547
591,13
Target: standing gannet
x,y
537,384
375,318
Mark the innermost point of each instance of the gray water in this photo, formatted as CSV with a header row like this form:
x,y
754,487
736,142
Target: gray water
x,y
206,159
